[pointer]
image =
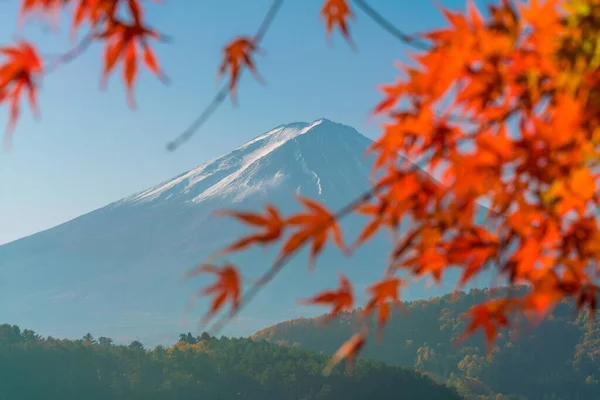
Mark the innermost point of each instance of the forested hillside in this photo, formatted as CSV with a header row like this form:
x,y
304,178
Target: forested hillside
x,y
559,359
35,368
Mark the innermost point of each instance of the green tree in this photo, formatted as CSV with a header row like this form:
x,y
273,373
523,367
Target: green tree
x,y
89,339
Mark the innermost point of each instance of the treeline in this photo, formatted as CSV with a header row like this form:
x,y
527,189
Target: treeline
x,y
557,360
202,367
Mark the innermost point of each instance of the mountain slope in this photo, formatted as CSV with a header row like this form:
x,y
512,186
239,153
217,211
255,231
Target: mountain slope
x,y
118,269
556,360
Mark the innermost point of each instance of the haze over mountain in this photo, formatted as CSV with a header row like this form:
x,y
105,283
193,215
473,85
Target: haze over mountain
x,y
117,270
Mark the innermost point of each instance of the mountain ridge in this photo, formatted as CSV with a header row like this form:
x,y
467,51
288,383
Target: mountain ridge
x,y
240,160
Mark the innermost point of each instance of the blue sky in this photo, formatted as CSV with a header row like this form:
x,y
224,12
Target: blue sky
x,y
89,149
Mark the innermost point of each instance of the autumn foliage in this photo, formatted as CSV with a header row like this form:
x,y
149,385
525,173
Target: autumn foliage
x,y
504,108
17,77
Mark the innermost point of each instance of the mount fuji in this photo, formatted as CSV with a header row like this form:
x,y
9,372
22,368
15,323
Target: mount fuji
x,y
117,271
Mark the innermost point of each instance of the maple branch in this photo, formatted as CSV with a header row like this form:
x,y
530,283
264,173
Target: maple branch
x,y
410,40
267,20
71,54
224,91
340,214
281,262
198,122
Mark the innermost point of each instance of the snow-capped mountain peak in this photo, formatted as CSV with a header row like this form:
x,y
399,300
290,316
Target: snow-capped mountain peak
x,y
251,169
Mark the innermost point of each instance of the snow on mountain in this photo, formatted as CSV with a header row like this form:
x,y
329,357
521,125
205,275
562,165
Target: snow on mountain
x,y
243,172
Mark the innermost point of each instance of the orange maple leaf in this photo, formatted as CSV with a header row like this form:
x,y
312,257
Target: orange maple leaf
x,y
272,224
122,42
383,295
349,350
427,261
19,73
472,248
227,287
316,225
337,13
391,206
378,214
488,316
538,303
582,184
340,299
541,14
236,55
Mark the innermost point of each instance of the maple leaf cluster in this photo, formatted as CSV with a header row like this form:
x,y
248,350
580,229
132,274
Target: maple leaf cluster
x,y
506,109
118,24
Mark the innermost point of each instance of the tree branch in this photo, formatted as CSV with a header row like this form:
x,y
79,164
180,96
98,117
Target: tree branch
x,y
224,91
410,40
340,214
71,54
281,262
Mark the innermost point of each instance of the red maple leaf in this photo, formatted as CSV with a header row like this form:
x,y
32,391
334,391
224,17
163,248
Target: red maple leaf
x,y
337,13
237,55
19,74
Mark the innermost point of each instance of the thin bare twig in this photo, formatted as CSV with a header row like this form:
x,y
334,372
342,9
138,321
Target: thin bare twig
x,y
71,54
224,91
198,122
410,40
